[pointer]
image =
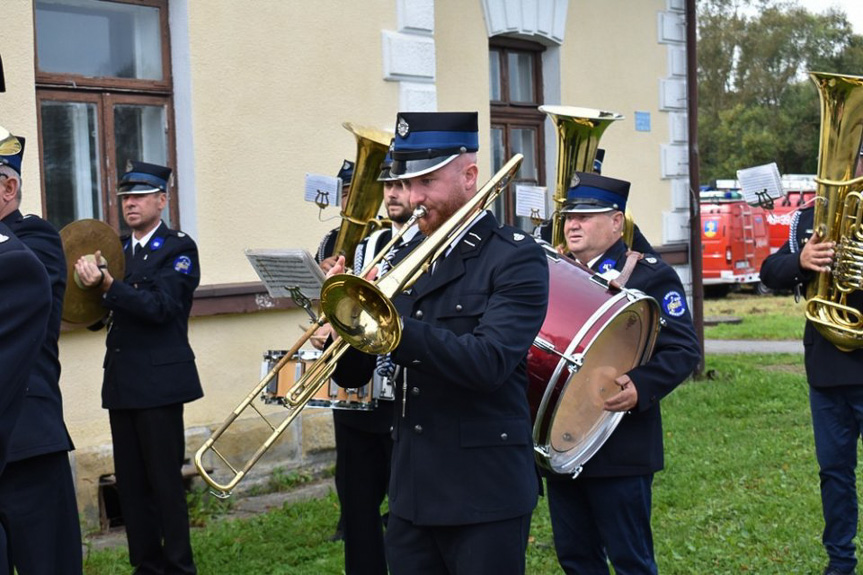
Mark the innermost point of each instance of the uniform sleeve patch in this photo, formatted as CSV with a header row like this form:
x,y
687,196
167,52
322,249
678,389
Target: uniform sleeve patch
x,y
674,304
183,264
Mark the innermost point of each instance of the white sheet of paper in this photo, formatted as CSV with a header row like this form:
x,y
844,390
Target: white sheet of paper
x,y
758,181
530,201
325,190
281,270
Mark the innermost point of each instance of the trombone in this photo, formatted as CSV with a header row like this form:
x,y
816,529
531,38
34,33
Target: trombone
x,y
363,315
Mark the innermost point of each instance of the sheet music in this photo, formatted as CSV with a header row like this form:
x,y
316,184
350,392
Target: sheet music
x,y
323,190
281,270
530,201
760,184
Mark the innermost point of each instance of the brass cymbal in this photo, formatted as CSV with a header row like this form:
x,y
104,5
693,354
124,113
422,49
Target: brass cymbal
x,y
83,306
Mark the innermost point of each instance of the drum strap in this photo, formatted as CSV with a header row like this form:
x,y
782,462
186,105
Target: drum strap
x,y
631,259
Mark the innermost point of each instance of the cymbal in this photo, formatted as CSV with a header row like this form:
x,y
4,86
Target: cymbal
x,y
84,305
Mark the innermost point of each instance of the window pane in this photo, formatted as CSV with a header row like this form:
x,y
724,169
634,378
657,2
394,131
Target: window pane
x,y
139,134
524,142
71,156
99,39
494,75
520,77
497,160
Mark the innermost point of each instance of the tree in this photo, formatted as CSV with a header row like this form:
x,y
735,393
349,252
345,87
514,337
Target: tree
x,y
755,102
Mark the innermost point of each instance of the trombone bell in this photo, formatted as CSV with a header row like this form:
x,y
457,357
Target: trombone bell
x,y
361,313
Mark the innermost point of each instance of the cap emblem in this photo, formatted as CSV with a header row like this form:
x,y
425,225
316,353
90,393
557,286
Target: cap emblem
x,y
403,128
574,181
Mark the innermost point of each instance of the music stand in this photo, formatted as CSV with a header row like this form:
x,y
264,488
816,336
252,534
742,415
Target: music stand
x,y
761,185
289,273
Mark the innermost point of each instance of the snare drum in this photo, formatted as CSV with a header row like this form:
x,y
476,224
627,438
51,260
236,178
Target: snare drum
x,y
363,398
591,335
288,375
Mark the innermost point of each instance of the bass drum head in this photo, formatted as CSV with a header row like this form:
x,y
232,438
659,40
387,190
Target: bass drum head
x,y
579,424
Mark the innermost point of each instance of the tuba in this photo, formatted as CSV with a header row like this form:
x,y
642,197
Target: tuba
x,y
363,314
838,213
366,193
578,133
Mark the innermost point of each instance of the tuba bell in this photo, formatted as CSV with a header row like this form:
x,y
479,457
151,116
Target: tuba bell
x,y
838,215
578,134
366,193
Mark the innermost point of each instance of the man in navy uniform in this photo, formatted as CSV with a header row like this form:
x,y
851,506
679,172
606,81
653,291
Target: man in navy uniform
x,y
463,483
150,371
25,308
604,513
835,390
37,492
364,442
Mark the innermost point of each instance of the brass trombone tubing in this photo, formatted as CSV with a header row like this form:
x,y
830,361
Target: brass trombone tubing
x,y
374,300
296,398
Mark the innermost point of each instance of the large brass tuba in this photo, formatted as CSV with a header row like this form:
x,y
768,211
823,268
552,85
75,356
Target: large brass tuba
x,y
838,213
366,193
578,133
363,314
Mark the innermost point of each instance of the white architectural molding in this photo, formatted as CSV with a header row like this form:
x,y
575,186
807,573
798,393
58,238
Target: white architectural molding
x,y
181,64
415,16
415,97
408,57
542,21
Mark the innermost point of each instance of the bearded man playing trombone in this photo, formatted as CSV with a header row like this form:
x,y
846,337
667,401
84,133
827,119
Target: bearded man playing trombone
x,y
463,483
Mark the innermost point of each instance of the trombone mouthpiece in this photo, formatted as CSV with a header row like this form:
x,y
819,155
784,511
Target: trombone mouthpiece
x,y
420,212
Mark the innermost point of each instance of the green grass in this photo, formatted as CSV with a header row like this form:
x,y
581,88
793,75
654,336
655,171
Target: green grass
x,y
773,317
739,493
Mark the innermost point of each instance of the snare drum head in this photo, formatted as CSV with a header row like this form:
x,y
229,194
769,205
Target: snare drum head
x,y
579,425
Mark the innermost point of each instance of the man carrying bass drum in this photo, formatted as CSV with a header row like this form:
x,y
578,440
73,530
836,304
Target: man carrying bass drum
x,y
603,515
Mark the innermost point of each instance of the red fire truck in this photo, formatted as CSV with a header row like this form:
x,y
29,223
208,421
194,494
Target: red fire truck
x,y
734,241
799,190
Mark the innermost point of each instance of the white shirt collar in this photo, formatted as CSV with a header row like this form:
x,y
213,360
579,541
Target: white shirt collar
x,y
136,243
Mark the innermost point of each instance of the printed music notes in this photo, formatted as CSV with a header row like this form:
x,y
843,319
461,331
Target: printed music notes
x,y
286,269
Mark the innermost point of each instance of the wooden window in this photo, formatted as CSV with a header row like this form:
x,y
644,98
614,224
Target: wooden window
x,y
103,87
515,73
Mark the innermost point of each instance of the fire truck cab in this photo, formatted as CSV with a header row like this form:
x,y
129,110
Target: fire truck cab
x,y
734,240
799,189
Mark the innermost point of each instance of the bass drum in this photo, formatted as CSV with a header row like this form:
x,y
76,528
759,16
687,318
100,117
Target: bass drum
x,y
592,334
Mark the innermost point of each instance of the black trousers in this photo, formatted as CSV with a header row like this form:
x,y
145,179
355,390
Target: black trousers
x,y
492,548
149,446
37,502
362,473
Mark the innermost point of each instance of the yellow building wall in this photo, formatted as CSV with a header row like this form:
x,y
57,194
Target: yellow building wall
x,y
612,60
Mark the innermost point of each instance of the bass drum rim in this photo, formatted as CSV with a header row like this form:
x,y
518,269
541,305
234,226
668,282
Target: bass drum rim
x,y
595,331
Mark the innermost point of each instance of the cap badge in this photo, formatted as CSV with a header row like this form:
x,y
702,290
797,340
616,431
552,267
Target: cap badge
x,y
574,181
403,128
346,165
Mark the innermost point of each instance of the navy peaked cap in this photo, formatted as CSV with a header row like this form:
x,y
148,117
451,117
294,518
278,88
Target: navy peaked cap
x,y
592,193
426,141
14,161
346,172
143,178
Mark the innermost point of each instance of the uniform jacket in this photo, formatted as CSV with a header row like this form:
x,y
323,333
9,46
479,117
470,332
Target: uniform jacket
x,y
41,429
149,362
826,365
25,309
463,451
635,447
